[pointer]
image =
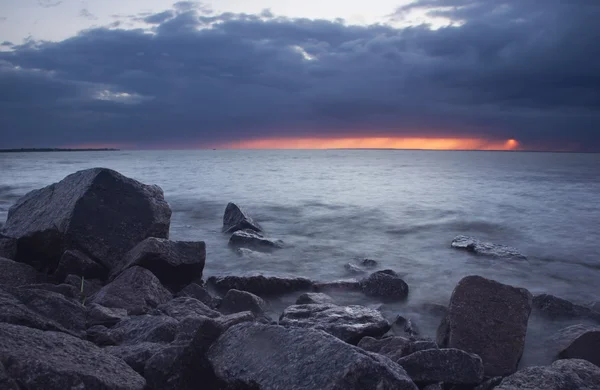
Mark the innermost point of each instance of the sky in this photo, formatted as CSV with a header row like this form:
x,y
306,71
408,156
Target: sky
x,y
433,74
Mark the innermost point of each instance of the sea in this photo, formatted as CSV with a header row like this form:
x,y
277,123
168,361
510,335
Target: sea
x,y
401,208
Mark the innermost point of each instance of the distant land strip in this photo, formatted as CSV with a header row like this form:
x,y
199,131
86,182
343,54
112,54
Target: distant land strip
x,y
29,150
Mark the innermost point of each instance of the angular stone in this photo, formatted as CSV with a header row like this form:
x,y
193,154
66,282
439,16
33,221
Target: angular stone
x,y
137,290
488,319
570,374
299,359
261,284
135,355
443,365
182,307
236,301
251,239
174,263
57,361
348,323
8,247
557,308
309,298
65,290
385,284
369,263
90,286
194,290
235,219
74,262
98,211
100,315
486,248
13,274
395,347
578,342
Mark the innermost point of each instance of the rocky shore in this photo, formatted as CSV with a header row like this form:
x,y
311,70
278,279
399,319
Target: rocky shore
x,y
94,295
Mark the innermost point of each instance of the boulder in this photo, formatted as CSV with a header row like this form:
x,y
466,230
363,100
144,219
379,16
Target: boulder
x,y
385,284
309,298
100,315
558,308
395,347
8,247
135,355
138,329
74,262
261,284
407,325
182,307
56,361
159,367
90,286
477,247
348,323
97,211
443,365
299,359
254,240
236,301
338,285
194,290
369,263
488,319
235,219
13,274
570,374
65,290
175,263
578,342
137,290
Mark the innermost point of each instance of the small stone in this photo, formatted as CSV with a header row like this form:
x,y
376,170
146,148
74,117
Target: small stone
x,y
194,290
443,365
385,284
485,248
309,298
369,263
183,307
100,315
236,301
13,274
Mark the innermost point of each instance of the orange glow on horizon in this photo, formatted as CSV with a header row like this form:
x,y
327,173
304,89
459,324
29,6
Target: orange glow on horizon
x,y
376,143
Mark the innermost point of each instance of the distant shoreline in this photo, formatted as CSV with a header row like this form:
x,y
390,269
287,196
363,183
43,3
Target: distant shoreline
x,y
45,150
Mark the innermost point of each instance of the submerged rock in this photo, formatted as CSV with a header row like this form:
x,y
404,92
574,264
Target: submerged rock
x,y
235,219
369,263
348,323
299,359
236,301
338,285
443,365
578,342
98,211
13,274
57,361
194,290
74,262
261,284
137,290
385,284
486,248
308,298
489,319
254,240
571,374
182,307
554,307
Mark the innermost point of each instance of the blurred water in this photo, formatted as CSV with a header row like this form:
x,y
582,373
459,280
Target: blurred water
x,y
401,208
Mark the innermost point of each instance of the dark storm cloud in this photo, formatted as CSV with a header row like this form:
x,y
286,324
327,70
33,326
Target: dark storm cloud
x,y
511,69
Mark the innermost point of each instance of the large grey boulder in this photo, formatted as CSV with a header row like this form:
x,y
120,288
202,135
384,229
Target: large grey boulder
x,y
578,342
175,263
385,284
488,319
261,284
254,240
235,219
395,347
443,365
478,247
570,374
56,361
348,323
74,262
137,290
236,301
97,211
183,307
299,359
559,308
13,274
338,285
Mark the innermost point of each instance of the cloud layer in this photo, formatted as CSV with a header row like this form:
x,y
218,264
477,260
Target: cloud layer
x,y
505,69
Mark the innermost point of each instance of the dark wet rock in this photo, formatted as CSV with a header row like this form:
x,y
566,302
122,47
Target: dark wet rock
x,y
261,284
174,263
310,298
236,301
98,334
8,247
254,240
369,263
349,323
137,290
338,285
434,309
490,384
144,328
384,284
194,290
557,308
100,315
235,219
160,366
489,319
6,383
475,246
182,307
578,342
354,269
13,274
443,365
90,286
299,359
74,262
57,361
135,355
188,327
395,347
407,325
570,374
98,211
434,386
65,290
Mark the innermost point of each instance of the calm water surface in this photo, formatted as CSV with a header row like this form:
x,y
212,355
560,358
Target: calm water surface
x,y
401,208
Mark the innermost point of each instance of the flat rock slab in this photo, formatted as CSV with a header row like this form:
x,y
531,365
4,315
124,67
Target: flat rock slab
x,y
299,359
488,319
570,374
483,248
13,274
348,323
578,342
235,219
385,284
443,365
56,361
261,284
